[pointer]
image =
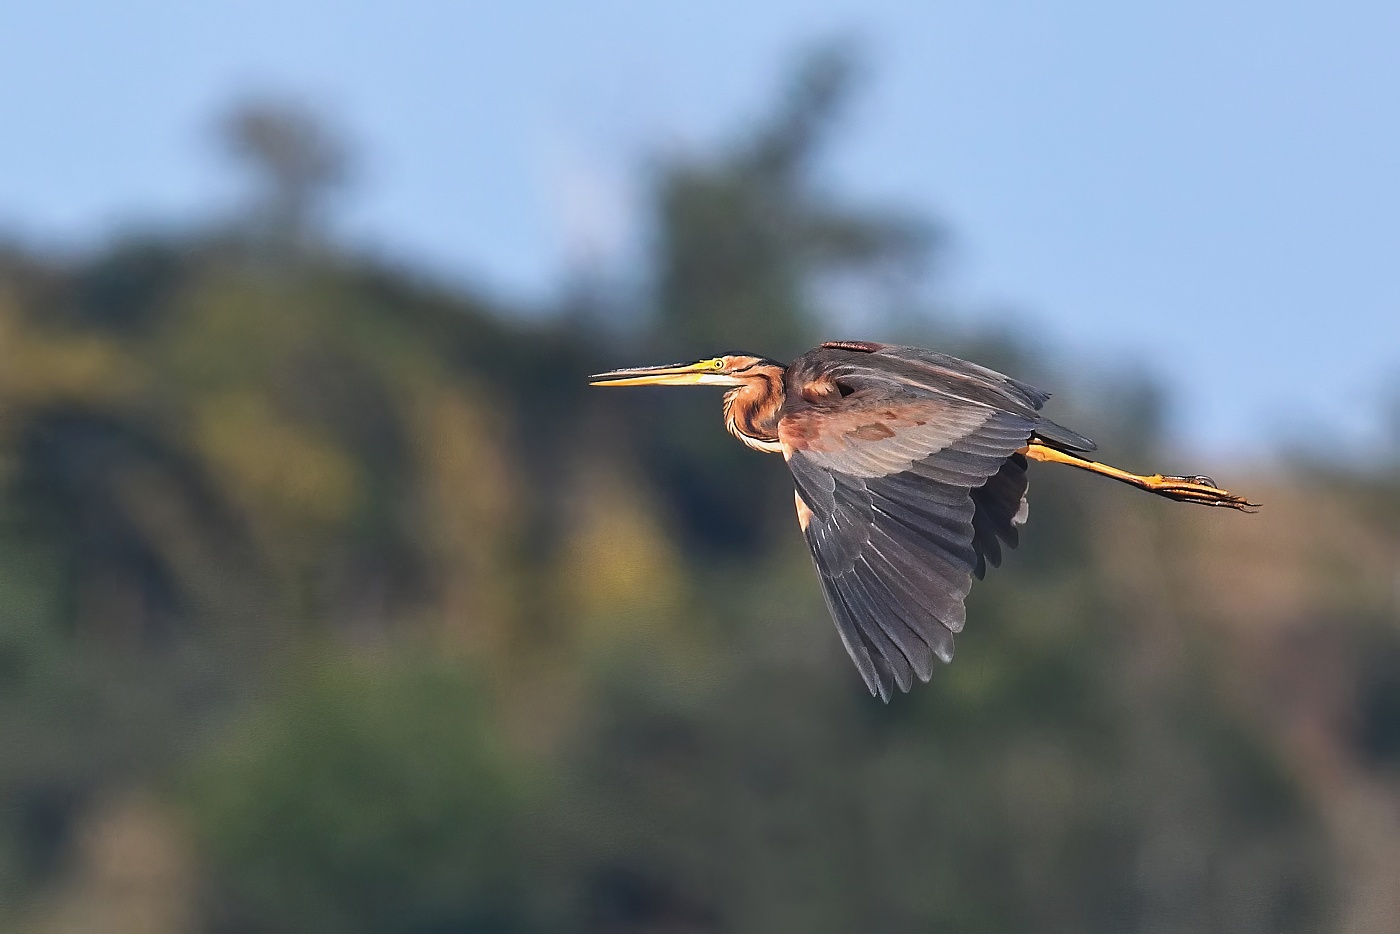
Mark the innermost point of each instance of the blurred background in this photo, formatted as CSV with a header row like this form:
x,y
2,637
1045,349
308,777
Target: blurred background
x,y
333,600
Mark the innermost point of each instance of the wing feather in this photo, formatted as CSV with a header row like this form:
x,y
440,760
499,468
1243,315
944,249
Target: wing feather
x,y
937,640
911,645
889,662
856,646
914,486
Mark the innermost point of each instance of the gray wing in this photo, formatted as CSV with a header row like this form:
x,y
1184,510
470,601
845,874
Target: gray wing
x,y
904,496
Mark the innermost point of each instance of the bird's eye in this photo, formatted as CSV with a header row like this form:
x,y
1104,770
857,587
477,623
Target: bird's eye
x,y
717,363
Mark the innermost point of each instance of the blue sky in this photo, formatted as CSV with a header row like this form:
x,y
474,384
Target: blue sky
x,y
1107,169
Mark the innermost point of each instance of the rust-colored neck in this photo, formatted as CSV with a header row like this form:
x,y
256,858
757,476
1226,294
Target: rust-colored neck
x,y
751,411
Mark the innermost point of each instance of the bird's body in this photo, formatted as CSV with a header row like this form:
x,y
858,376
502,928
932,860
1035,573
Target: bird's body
x,y
910,473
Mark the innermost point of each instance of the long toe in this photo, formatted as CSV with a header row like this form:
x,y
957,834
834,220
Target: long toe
x,y
1203,491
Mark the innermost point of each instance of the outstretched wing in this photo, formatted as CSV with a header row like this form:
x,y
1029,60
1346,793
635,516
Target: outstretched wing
x,y
908,484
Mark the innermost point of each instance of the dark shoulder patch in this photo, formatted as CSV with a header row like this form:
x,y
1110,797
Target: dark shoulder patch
x,y
820,389
857,346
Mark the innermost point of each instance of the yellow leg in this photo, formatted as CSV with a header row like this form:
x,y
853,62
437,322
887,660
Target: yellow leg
x,y
1183,489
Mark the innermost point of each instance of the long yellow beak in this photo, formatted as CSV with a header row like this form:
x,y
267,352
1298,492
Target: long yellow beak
x,y
676,374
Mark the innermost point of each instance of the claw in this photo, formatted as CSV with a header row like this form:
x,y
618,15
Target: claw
x,y
1199,489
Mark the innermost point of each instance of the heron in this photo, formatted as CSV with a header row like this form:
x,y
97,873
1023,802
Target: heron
x,y
910,475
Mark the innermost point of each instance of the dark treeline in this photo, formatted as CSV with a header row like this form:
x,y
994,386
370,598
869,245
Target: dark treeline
x,y
332,600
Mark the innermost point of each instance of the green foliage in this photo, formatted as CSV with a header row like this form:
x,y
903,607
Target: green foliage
x,y
372,796
1020,790
30,654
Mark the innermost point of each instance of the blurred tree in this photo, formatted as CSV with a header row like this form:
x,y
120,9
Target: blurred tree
x,y
373,798
742,238
743,241
1030,787
295,161
126,290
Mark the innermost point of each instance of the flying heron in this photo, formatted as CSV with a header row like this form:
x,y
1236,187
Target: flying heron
x,y
910,472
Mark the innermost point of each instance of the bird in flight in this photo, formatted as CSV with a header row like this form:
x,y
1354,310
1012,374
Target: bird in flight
x,y
910,473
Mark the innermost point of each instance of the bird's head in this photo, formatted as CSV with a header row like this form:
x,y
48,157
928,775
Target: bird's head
x,y
730,370
750,406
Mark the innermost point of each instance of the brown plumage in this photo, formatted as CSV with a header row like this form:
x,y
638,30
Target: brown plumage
x,y
910,473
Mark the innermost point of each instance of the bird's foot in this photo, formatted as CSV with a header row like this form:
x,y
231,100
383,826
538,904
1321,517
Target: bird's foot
x,y
1198,489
